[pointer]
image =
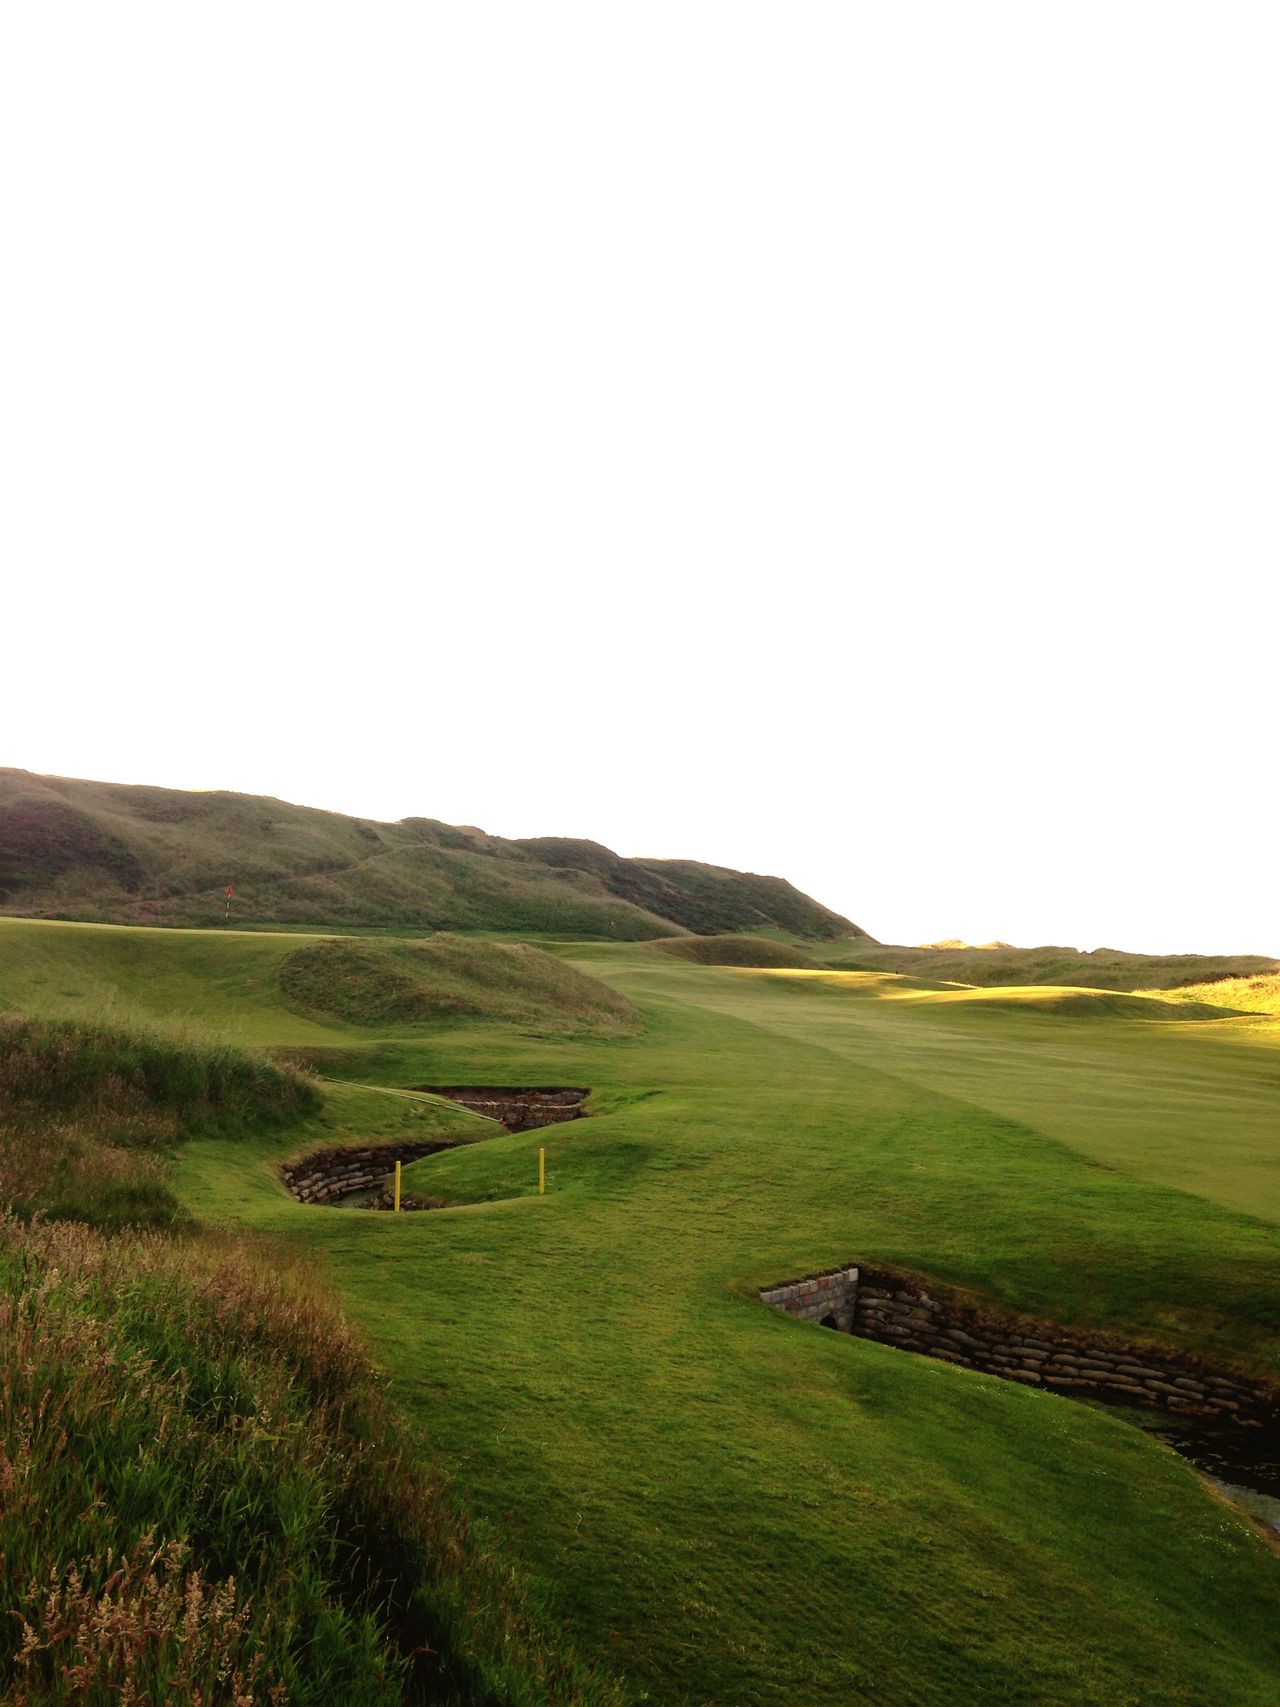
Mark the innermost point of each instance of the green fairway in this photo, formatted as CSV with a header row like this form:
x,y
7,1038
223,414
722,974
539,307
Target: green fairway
x,y
1191,1103
725,1505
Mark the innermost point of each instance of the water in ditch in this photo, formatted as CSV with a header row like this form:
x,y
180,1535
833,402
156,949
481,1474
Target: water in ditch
x,y
1242,1463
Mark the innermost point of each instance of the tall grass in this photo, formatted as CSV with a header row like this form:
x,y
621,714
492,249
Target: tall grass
x,y
88,1110
204,1497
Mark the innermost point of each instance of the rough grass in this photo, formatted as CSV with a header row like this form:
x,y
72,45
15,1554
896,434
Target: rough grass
x,y
204,1499
89,1111
367,982
733,950
98,851
703,898
999,964
1253,995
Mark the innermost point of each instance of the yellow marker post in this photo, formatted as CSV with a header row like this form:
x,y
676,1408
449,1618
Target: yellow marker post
x,y
397,1188
542,1172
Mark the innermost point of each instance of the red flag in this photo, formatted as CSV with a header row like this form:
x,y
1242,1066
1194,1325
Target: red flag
x,y
228,891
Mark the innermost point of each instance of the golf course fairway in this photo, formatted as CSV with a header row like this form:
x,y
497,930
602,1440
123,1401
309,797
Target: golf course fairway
x,y
724,1506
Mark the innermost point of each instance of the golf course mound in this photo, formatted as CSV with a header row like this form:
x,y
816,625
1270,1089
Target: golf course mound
x,y
344,1171
88,1113
732,950
369,982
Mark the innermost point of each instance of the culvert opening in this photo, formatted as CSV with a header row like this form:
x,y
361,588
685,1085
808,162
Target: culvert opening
x,y
520,1108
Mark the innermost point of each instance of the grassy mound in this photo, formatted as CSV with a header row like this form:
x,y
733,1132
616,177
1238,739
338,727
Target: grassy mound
x,y
1257,995
732,951
207,1500
88,1111
367,982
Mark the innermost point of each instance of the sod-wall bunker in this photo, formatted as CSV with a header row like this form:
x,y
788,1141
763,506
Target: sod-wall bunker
x,y
325,1176
343,1172
898,1310
520,1108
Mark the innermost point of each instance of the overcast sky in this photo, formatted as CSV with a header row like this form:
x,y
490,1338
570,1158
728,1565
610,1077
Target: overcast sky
x,y
837,440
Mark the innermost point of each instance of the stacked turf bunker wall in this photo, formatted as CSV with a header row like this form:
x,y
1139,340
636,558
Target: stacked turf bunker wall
x,y
520,1108
338,1171
898,1310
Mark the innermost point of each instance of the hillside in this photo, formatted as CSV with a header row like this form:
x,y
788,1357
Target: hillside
x,y
138,855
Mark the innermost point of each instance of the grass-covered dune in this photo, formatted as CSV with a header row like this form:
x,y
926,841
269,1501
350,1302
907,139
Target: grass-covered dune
x,y
733,949
136,855
701,898
999,963
711,1502
88,1111
370,982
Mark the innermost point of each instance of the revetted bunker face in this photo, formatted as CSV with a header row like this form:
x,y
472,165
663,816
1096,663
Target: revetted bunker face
x,y
355,1175
898,1310
344,1172
520,1108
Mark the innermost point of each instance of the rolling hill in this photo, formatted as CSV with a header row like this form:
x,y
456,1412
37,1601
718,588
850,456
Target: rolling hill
x,y
118,854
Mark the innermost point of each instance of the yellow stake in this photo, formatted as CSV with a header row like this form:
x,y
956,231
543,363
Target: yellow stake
x,y
542,1171
397,1188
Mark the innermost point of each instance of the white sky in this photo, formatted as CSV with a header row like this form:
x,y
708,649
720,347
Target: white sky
x,y
837,440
